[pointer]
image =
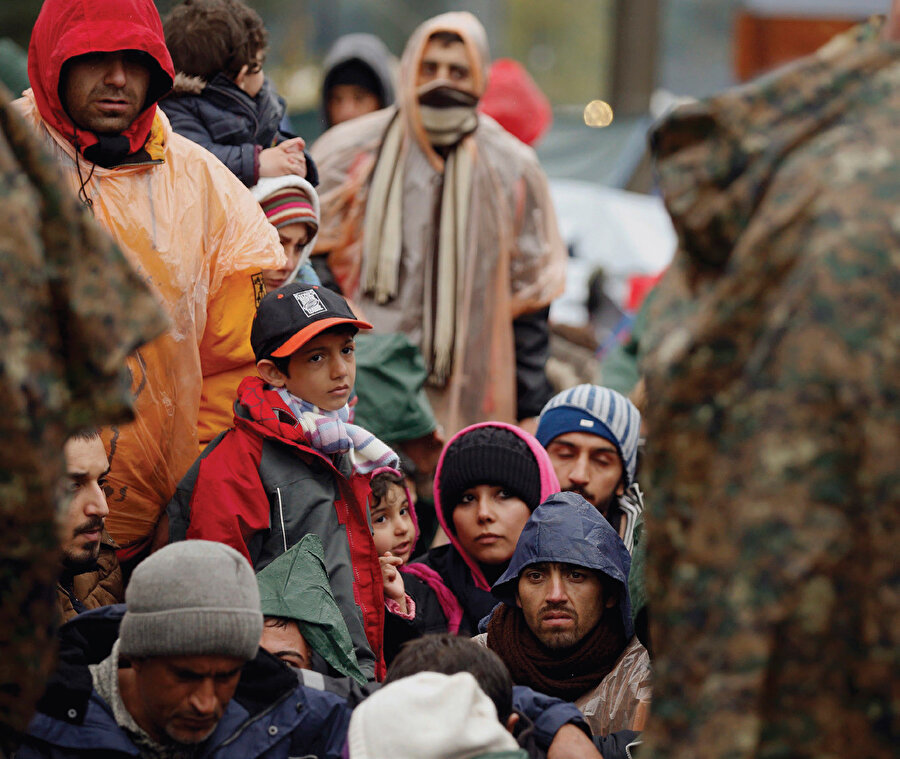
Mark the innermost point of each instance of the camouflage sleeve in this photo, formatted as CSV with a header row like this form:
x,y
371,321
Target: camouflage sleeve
x,y
71,309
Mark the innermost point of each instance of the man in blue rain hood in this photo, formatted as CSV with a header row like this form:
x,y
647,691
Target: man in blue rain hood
x,y
564,627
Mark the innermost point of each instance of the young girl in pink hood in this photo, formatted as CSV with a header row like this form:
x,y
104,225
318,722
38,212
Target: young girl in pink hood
x,y
416,602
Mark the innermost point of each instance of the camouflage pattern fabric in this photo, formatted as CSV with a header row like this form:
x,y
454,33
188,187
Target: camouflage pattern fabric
x,y
71,309
773,385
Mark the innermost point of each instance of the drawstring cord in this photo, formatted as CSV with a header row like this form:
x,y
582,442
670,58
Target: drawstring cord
x,y
82,193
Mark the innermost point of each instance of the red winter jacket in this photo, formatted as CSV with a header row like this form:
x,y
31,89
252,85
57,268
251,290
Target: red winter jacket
x,y
260,487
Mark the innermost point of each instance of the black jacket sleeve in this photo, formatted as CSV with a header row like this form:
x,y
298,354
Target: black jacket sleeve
x,y
312,171
184,118
613,746
533,390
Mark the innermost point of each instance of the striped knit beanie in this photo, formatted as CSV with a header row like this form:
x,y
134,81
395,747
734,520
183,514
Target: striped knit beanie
x,y
597,411
288,200
289,205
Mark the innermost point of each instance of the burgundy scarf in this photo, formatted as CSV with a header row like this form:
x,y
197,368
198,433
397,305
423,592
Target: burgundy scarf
x,y
564,673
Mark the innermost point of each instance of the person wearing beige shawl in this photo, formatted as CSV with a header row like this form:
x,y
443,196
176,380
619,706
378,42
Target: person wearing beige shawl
x,y
438,224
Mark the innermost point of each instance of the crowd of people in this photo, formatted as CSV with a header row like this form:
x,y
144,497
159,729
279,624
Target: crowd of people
x,y
245,570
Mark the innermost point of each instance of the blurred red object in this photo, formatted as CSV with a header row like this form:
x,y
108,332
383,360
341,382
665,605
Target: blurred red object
x,y
638,287
515,101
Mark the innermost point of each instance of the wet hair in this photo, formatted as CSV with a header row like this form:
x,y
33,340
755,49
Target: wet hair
x,y
206,37
282,363
445,38
279,622
381,483
450,654
85,433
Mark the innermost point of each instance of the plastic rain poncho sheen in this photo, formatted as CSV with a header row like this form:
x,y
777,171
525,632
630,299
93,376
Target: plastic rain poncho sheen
x,y
514,262
195,235
295,586
566,529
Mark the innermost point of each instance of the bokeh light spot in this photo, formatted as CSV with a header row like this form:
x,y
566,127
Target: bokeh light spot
x,y
598,113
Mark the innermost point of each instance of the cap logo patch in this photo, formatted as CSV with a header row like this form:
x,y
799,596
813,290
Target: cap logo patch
x,y
310,302
586,423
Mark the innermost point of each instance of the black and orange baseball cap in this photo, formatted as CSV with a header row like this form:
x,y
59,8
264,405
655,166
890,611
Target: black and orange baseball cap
x,y
289,317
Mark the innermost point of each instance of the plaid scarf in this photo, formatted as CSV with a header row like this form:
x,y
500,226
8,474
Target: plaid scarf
x,y
330,432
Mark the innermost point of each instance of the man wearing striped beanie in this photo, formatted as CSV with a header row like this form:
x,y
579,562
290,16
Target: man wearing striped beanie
x,y
591,434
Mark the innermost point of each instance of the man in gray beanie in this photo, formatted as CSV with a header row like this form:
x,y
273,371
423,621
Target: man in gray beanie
x,y
187,642
185,677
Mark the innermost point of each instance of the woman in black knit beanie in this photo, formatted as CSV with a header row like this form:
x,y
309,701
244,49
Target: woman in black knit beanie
x,y
489,479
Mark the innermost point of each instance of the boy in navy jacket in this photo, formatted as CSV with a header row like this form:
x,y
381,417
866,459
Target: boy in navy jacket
x,y
221,98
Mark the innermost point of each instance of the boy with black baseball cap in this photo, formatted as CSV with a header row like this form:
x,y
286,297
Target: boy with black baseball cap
x,y
293,463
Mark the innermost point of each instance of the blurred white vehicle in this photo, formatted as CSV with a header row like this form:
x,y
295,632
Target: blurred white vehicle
x,y
623,233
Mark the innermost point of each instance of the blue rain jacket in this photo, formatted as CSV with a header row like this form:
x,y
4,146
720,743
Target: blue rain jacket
x,y
567,529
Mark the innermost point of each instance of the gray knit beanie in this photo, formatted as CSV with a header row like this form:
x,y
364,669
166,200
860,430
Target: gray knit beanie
x,y
193,598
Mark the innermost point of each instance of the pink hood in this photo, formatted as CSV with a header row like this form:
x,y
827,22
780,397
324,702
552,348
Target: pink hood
x,y
549,485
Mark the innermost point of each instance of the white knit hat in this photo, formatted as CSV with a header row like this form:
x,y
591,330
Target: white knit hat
x,y
428,716
192,598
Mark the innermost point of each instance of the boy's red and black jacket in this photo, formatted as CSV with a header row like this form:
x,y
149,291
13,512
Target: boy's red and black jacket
x,y
260,487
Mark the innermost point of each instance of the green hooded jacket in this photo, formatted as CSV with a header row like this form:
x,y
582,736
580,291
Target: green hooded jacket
x,y
295,586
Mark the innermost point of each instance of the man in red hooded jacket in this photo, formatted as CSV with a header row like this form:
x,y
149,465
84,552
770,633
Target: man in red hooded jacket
x,y
193,232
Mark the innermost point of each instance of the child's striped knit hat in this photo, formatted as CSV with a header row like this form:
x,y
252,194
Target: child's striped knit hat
x,y
289,205
597,411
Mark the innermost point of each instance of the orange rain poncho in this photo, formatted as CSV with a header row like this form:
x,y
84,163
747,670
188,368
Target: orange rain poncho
x,y
513,261
195,235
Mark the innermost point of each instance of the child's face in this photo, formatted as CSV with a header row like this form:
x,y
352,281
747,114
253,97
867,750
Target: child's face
x,y
251,78
488,521
322,371
394,530
294,238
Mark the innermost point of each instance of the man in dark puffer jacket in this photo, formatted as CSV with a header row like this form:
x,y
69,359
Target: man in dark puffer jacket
x,y
180,674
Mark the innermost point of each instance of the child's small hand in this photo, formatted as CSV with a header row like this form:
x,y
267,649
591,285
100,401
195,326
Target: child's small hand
x,y
393,580
285,158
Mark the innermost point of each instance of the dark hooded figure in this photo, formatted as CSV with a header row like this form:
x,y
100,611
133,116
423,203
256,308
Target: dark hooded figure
x,y
564,627
357,78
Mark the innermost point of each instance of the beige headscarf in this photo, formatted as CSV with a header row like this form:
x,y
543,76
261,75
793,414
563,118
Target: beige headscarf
x,y
382,241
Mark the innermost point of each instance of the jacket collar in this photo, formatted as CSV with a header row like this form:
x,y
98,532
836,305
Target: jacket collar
x,y
262,411
70,713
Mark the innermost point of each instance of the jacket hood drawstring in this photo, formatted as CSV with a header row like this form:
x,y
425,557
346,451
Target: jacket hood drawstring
x,y
82,191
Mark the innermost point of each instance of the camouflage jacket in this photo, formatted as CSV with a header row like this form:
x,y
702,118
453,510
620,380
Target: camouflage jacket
x,y
71,310
773,385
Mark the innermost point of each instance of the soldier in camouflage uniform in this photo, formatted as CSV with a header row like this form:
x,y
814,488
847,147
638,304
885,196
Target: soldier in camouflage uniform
x,y
773,375
71,309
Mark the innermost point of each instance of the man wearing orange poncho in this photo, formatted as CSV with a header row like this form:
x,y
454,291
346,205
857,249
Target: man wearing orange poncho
x,y
190,228
438,224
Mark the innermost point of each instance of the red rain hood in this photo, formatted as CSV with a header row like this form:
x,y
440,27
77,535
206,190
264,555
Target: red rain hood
x,y
67,28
